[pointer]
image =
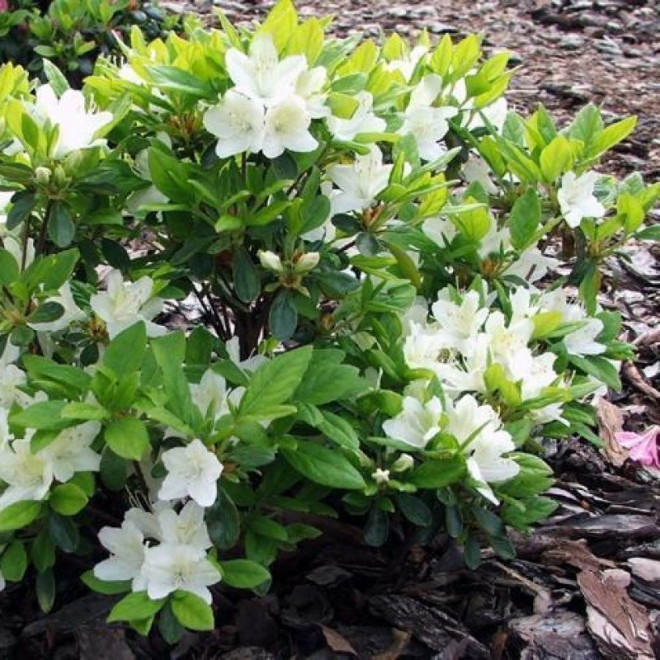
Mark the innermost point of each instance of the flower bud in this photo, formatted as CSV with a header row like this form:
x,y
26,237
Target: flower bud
x,y
403,463
60,179
42,176
270,260
381,476
306,263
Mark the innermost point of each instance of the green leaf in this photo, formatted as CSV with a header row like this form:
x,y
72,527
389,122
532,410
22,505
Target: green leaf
x,y
64,532
135,607
55,77
556,158
103,587
328,380
14,562
191,611
9,270
23,204
600,368
247,282
42,415
414,509
283,316
324,466
127,437
67,499
243,573
45,584
169,352
125,352
612,135
533,509
274,382
534,477
61,228
438,473
223,520
47,312
525,218
377,528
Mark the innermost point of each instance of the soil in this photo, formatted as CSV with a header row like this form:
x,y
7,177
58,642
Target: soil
x,y
586,584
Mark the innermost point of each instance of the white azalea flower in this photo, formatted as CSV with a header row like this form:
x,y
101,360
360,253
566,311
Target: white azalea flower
x,y
287,127
150,194
495,113
127,303
127,549
467,373
76,126
308,87
11,380
508,343
146,521
71,451
477,169
417,423
170,567
458,324
407,64
360,182
537,374
251,363
184,528
583,340
71,312
425,92
4,428
363,120
486,464
11,240
440,230
479,426
262,75
210,395
423,346
428,125
238,123
28,476
466,417
192,471
576,198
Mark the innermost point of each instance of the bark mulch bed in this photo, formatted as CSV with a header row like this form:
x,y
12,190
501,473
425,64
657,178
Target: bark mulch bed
x,y
586,585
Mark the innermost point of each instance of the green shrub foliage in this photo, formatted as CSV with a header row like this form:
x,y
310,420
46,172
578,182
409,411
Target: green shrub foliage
x,y
254,272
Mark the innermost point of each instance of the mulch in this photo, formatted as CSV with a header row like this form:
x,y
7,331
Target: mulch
x,y
586,584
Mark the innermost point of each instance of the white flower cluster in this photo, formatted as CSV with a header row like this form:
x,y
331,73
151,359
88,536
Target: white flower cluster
x,y
272,104
530,265
160,552
29,475
123,304
76,126
477,428
465,337
165,551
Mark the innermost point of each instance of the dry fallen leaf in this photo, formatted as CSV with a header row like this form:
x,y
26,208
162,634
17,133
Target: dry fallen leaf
x,y
619,625
610,421
401,640
337,642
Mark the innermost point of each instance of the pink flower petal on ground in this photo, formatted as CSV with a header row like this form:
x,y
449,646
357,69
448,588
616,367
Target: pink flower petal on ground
x,y
643,447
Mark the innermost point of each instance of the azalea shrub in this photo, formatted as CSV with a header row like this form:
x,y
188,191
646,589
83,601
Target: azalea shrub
x,y
254,277
73,33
